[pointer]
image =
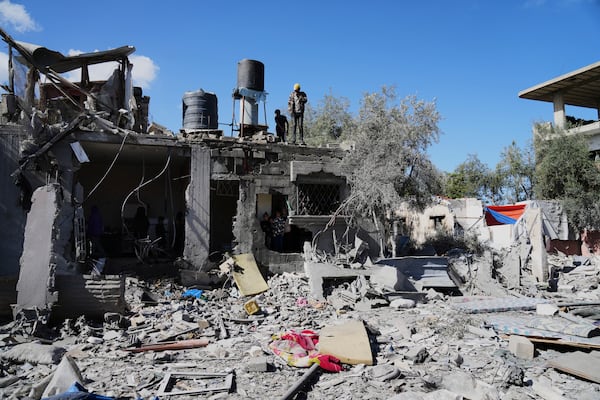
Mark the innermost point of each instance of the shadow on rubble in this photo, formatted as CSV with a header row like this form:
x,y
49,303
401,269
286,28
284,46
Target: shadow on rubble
x,y
130,266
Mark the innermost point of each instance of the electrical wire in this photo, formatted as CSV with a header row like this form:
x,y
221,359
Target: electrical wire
x,y
108,170
144,184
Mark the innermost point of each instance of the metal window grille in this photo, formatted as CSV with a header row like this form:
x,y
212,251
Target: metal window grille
x,y
227,188
317,199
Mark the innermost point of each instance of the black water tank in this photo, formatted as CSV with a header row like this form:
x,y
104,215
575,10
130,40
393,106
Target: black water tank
x,y
251,75
200,110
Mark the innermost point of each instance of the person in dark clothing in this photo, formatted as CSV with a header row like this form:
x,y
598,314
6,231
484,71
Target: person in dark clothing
x,y
278,231
266,227
179,234
140,224
296,104
281,125
95,229
161,232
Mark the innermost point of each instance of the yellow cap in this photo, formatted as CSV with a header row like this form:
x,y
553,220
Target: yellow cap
x,y
297,86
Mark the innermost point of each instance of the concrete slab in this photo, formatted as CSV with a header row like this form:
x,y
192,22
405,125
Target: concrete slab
x,y
391,278
317,272
36,278
426,272
579,364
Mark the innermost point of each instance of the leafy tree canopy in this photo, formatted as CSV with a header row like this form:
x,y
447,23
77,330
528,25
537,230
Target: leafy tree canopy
x,y
566,172
390,164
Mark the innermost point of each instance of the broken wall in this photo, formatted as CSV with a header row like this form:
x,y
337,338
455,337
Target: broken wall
x,y
67,167
35,288
271,184
421,225
468,215
249,237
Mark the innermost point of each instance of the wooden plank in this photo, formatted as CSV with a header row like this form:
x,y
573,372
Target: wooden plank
x,y
558,342
579,364
180,345
247,276
349,342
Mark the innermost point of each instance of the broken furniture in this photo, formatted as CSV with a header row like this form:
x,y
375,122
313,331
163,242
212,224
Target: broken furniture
x,y
205,383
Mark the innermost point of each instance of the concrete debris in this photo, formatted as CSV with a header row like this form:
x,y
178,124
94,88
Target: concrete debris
x,y
34,353
65,374
402,303
258,364
546,309
580,364
383,372
467,386
432,350
521,347
208,246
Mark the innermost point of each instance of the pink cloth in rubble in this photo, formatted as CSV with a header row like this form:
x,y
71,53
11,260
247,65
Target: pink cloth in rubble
x,y
299,350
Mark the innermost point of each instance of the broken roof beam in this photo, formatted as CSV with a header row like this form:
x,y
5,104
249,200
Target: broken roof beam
x,y
52,63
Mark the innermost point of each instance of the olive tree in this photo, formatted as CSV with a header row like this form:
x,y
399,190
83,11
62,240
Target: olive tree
x,y
390,164
471,178
330,121
515,170
565,172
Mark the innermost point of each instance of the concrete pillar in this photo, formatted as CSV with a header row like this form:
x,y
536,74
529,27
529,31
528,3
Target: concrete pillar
x,y
67,167
197,219
559,110
36,278
539,257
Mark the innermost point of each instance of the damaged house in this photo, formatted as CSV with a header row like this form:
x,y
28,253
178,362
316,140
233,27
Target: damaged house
x,y
578,90
74,149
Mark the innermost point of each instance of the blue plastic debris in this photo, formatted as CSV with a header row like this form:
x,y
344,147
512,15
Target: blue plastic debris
x,y
196,293
77,392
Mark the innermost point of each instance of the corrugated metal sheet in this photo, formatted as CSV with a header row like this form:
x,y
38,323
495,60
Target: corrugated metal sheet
x,y
89,296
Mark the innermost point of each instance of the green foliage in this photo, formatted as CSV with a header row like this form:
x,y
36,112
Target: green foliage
x,y
516,171
443,242
390,164
511,181
329,122
565,172
472,178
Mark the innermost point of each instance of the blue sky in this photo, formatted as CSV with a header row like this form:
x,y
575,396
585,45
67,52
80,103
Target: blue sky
x,y
471,56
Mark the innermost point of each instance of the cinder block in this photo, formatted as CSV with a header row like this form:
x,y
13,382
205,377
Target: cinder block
x,y
546,309
258,364
521,347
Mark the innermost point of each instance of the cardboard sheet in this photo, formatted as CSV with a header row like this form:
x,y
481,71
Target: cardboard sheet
x,y
247,276
349,342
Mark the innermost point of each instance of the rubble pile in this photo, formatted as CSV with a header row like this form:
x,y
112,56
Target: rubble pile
x,y
187,342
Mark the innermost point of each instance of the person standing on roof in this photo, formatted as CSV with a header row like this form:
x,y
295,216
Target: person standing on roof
x,y
281,125
296,104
